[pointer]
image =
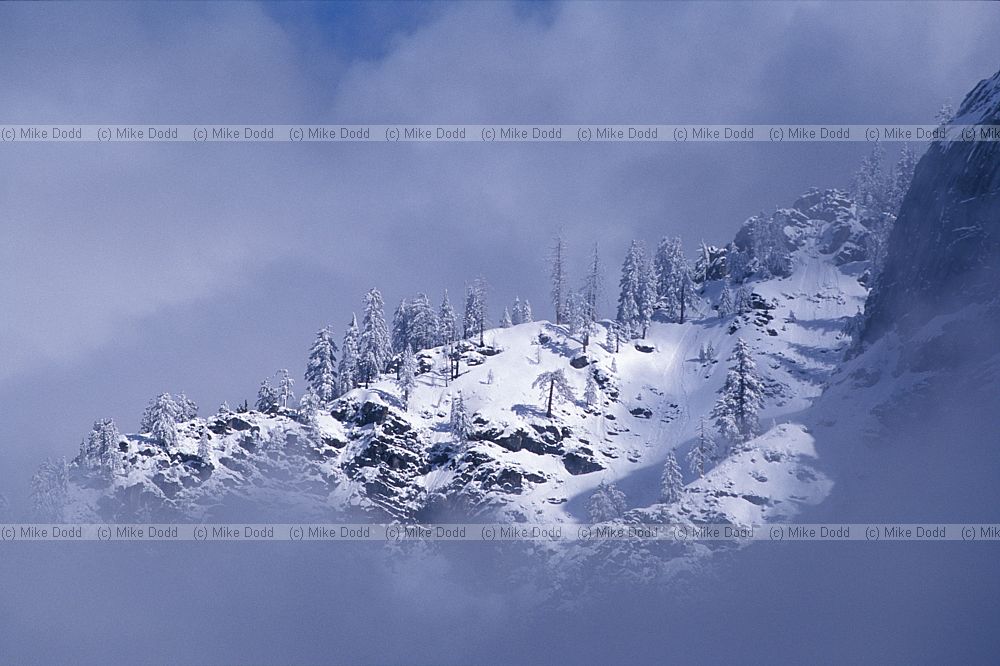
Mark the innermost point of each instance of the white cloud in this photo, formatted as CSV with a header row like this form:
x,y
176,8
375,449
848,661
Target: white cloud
x,y
97,236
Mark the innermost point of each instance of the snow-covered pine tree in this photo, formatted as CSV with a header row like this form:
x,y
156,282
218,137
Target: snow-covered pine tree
x,y
349,370
505,319
742,396
424,325
582,305
285,387
684,294
553,386
671,482
160,420
516,316
646,297
475,309
321,368
447,322
871,185
99,451
881,221
309,406
703,451
370,367
407,375
526,315
591,392
768,246
267,397
629,297
737,264
374,345
146,420
557,275
205,446
593,284
606,504
668,255
675,291
443,364
90,451
742,302
49,491
703,264
902,177
187,408
576,318
401,327
459,422
945,114
726,306
613,338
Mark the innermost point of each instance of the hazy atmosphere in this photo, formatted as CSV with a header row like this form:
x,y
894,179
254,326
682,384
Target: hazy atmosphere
x,y
128,270
134,269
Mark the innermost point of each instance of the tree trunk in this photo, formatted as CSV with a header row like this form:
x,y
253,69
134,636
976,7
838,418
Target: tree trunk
x,y
552,385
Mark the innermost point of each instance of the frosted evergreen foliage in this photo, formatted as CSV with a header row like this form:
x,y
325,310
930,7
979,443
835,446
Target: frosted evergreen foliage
x,y
349,370
447,322
475,309
557,275
49,491
321,368
671,481
407,375
742,396
267,397
606,504
553,387
374,345
637,293
703,452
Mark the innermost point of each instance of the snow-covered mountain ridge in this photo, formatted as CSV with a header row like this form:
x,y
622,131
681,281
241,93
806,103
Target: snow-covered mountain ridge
x,y
370,455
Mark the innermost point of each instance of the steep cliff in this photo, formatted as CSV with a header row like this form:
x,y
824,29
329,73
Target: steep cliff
x,y
944,250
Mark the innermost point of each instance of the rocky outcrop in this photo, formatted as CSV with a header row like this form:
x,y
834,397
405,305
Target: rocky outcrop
x,y
944,250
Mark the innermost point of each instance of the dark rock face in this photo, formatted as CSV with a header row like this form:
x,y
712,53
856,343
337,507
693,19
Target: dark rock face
x,y
371,413
540,440
641,412
944,250
580,462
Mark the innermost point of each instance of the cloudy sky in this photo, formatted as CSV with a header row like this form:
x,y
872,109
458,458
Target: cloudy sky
x,y
130,269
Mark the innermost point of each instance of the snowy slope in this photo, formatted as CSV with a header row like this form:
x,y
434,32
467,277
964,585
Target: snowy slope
x,y
372,456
